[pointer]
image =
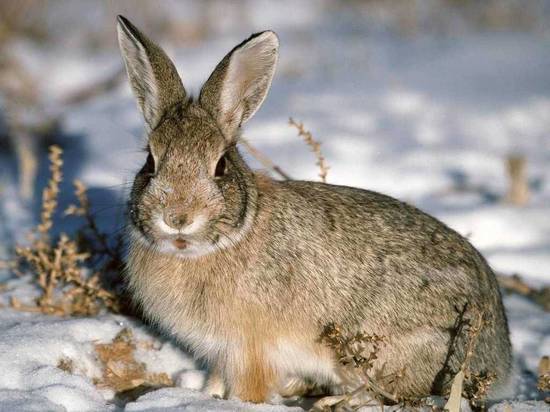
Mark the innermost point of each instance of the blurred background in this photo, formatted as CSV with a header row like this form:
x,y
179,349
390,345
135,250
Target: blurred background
x,y
442,103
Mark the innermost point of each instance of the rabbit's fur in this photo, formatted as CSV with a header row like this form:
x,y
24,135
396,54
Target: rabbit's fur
x,y
247,271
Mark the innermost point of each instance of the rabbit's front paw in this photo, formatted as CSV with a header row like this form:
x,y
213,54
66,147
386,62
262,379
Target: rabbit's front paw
x,y
215,386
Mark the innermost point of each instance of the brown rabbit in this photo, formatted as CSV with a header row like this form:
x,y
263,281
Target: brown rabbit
x,y
247,271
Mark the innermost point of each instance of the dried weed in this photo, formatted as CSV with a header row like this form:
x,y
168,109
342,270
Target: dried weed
x,y
122,372
357,354
315,147
473,386
68,286
515,284
544,375
66,364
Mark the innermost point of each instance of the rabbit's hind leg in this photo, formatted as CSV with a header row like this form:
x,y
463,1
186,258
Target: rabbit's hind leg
x,y
408,364
299,386
412,363
294,386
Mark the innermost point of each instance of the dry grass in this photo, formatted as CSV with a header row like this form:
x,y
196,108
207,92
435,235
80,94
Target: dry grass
x,y
307,138
357,353
358,350
473,386
263,159
544,375
105,249
315,147
122,372
518,190
68,286
66,365
515,284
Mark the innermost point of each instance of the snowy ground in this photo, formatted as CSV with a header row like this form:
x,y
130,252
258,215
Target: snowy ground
x,y
410,117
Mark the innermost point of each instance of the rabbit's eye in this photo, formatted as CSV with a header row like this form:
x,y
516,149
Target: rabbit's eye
x,y
220,167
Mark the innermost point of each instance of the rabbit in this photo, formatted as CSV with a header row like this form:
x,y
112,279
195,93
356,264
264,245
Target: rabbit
x,y
246,272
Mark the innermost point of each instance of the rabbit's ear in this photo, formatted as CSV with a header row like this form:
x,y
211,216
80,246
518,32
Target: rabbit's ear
x,y
153,77
240,82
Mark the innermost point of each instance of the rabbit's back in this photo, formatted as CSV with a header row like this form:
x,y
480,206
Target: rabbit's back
x,y
384,247
374,254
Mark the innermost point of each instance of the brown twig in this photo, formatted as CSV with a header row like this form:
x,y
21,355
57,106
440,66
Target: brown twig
x,y
83,210
473,333
315,147
518,190
472,385
515,284
263,159
544,374
88,92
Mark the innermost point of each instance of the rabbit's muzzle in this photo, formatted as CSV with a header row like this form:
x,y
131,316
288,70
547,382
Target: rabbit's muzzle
x,y
179,221
175,217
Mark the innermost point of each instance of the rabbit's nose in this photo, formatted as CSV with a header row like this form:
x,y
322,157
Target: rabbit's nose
x,y
174,218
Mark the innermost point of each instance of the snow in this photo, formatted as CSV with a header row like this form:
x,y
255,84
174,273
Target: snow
x,y
177,399
413,117
30,349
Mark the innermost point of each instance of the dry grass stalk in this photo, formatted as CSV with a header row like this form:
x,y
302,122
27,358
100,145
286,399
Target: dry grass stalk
x,y
27,160
518,192
50,193
66,287
91,238
473,333
357,354
455,397
121,371
473,386
515,284
96,89
263,159
315,147
269,164
26,121
544,375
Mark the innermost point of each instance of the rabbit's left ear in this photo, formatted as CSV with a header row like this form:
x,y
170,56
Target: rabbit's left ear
x,y
240,82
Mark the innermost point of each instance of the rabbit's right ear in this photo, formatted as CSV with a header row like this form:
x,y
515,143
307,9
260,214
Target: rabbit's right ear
x,y
240,82
153,77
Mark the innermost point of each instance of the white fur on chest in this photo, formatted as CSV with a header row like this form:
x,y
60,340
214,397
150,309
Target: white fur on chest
x,y
173,310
